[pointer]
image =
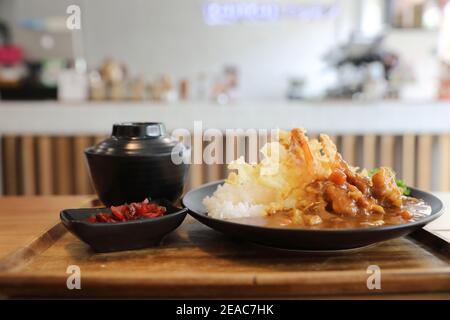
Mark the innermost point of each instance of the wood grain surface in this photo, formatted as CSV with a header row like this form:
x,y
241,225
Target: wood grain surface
x,y
197,262
23,219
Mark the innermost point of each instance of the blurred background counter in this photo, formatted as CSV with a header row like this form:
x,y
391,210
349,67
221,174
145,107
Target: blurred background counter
x,y
339,117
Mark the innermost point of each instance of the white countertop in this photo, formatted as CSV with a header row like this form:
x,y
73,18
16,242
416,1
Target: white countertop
x,y
390,117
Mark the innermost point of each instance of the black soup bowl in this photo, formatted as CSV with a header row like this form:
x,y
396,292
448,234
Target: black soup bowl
x,y
139,160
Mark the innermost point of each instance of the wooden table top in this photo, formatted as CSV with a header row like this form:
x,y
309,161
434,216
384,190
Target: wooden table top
x,y
205,263
22,219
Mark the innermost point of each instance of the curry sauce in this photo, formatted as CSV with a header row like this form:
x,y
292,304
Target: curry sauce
x,y
391,216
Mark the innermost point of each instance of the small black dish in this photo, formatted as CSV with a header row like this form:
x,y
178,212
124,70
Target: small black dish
x,y
129,235
139,160
303,238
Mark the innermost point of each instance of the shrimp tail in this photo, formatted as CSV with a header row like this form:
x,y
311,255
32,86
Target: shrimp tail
x,y
299,138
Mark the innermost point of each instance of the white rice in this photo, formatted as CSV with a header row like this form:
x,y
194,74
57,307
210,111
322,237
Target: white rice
x,y
251,190
230,201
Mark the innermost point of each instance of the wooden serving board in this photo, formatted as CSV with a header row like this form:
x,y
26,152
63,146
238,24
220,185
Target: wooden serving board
x,y
195,262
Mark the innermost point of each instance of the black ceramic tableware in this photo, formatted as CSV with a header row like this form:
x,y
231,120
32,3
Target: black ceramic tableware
x,y
303,238
136,162
128,235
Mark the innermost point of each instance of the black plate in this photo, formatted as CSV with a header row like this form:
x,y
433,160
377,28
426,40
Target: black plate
x,y
303,238
108,237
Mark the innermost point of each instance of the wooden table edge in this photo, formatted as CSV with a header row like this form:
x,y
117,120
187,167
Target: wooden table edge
x,y
246,284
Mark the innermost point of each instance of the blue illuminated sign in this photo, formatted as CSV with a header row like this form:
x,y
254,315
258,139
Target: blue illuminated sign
x,y
223,13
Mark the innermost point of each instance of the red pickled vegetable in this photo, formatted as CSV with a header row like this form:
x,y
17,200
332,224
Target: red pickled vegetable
x,y
117,214
92,219
103,217
128,212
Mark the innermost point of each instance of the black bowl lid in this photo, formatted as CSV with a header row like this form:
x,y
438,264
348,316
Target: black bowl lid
x,y
138,130
136,138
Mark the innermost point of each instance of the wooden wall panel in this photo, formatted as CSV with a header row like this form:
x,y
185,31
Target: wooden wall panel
x,y
10,168
98,139
196,173
55,165
369,151
214,171
387,144
28,172
195,177
45,168
424,162
408,159
262,140
64,165
82,183
349,149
